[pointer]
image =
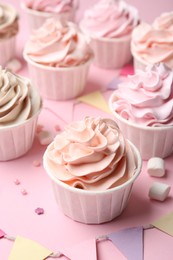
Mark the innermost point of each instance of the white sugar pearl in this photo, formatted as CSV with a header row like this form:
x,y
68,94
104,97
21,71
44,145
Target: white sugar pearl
x,y
45,137
159,191
156,167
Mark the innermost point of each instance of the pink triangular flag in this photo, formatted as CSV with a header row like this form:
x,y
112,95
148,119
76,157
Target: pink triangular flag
x,y
127,70
2,233
84,250
129,241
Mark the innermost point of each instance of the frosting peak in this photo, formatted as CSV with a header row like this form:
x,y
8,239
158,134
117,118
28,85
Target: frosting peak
x,y
58,44
146,98
110,18
91,154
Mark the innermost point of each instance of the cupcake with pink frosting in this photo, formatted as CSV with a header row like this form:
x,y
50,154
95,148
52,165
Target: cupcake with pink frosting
x,y
20,105
58,58
38,11
109,25
143,109
92,167
153,43
8,32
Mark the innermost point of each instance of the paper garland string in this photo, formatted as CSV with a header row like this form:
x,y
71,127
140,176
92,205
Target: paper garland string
x,y
95,99
129,241
165,223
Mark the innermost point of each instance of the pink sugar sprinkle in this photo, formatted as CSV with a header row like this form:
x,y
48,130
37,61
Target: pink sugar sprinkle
x,y
39,128
24,192
36,163
39,211
16,181
57,128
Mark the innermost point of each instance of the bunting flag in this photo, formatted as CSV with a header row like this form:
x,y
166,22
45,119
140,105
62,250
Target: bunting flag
x,y
165,223
85,250
114,84
129,241
27,249
95,99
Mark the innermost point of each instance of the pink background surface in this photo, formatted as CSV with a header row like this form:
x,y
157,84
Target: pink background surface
x,y
54,230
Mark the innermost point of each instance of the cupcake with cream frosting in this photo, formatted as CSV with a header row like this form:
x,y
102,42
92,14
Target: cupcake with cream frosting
x,y
153,43
143,109
91,165
8,32
38,11
109,25
20,105
58,58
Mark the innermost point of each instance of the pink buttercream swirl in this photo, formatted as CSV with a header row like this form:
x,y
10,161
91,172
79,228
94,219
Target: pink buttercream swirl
x,y
154,43
58,44
51,6
146,98
19,100
91,154
8,21
110,18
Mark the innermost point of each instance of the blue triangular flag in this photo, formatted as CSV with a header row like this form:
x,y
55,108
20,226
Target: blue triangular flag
x,y
129,241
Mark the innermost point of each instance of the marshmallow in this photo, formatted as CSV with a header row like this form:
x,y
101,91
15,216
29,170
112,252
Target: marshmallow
x,y
45,137
156,167
159,191
14,65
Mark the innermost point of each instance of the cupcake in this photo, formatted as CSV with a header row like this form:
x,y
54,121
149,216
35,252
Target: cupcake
x,y
20,105
92,168
8,32
143,109
109,25
153,43
38,11
58,58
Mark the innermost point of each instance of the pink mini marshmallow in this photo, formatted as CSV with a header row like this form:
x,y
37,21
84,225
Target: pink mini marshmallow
x,y
45,137
14,65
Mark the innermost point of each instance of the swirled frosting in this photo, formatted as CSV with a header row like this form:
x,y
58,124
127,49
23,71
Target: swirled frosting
x,y
58,44
52,6
18,99
146,98
154,43
91,154
8,21
110,18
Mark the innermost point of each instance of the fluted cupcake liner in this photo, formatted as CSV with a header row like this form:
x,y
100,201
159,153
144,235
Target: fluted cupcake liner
x,y
7,50
59,83
111,53
93,207
150,141
35,18
16,140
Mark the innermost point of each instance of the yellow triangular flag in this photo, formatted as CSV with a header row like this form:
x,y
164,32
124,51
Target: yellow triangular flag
x,y
26,249
95,99
165,224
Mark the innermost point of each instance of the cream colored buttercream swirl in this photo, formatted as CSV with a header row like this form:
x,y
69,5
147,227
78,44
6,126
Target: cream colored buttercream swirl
x,y
91,154
8,21
18,99
52,6
110,18
58,44
146,98
154,43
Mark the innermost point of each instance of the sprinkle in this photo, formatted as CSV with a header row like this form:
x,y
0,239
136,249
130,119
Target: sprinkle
x,y
2,233
16,181
39,128
36,163
24,192
57,128
39,211
45,137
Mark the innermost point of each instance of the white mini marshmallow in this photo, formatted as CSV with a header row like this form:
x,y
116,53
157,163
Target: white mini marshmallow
x,y
159,191
45,137
156,167
14,65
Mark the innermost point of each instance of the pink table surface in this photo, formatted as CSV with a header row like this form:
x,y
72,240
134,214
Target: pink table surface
x,y
52,229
